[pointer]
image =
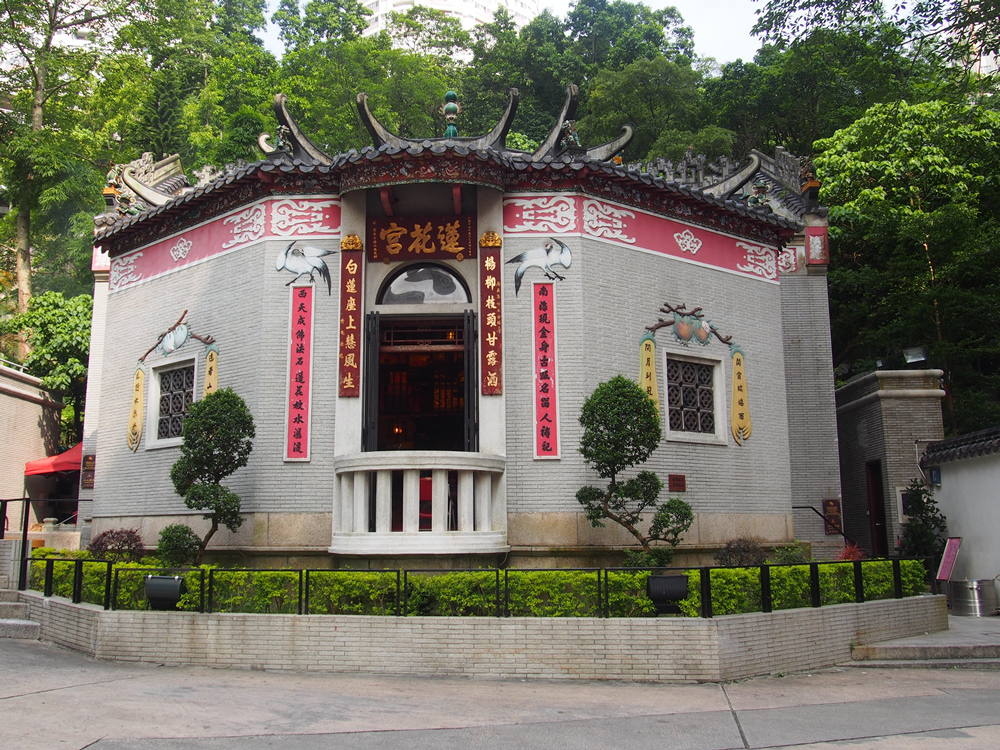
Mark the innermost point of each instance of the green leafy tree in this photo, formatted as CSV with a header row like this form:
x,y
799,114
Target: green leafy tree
x,y
926,531
621,429
58,331
44,72
217,440
916,247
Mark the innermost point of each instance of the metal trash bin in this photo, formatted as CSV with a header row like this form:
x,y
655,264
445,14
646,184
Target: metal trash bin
x,y
973,598
164,592
666,591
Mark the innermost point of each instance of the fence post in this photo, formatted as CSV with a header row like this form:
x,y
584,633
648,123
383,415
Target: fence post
x,y
77,581
201,590
300,591
600,595
107,585
814,592
859,582
406,594
305,598
897,579
506,591
706,592
114,592
211,581
47,589
607,597
765,588
398,574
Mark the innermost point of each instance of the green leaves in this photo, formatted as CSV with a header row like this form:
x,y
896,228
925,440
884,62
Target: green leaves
x,y
621,429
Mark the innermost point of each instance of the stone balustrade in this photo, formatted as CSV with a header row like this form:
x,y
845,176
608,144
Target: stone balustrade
x,y
469,519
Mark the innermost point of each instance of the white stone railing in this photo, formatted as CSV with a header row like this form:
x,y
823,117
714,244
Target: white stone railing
x,y
481,508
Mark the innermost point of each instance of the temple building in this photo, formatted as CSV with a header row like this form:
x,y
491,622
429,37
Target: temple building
x,y
416,326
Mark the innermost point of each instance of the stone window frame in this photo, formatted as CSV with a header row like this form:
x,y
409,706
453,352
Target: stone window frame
x,y
719,436
176,361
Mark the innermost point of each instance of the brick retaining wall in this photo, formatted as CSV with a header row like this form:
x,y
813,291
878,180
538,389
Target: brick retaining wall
x,y
655,649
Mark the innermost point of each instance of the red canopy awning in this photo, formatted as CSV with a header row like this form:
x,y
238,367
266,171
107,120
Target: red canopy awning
x,y
68,461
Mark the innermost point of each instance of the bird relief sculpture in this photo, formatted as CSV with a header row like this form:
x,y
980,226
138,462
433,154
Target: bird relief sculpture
x,y
554,253
305,261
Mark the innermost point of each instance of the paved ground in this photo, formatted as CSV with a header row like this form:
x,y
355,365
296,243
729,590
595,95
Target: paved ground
x,y
53,698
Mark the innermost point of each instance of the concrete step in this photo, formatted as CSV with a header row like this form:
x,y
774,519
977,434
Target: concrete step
x,y
8,595
24,629
983,665
878,652
13,611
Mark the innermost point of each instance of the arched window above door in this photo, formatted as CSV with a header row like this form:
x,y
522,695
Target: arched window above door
x,y
422,284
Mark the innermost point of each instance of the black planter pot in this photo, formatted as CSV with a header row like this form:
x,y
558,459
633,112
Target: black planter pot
x,y
666,591
163,592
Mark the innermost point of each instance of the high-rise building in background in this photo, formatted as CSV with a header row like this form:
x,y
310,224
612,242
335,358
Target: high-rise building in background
x,y
469,12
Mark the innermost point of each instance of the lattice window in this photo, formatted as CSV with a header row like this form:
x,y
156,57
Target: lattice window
x,y
176,395
691,396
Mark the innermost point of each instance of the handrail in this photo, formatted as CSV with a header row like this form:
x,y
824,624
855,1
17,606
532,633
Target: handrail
x,y
301,587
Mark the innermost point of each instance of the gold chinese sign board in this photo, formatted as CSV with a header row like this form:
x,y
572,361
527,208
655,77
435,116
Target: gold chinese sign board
x,y
739,417
647,369
211,369
135,413
395,238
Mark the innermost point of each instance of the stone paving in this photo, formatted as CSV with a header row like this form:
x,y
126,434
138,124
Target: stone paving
x,y
54,698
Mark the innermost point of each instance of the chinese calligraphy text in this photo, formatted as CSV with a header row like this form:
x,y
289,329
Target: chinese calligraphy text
x,y
392,238
299,374
491,321
350,323
543,319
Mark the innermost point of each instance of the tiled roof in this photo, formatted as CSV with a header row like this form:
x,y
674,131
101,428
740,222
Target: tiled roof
x,y
513,161
981,443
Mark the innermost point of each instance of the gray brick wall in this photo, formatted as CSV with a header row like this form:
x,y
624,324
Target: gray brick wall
x,y
608,298
809,388
642,649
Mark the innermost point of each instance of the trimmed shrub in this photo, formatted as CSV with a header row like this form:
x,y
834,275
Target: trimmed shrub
x,y
178,546
117,545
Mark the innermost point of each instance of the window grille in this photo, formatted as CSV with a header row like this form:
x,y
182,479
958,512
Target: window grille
x,y
176,395
690,396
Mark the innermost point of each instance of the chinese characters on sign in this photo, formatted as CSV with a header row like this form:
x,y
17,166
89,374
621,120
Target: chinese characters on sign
x,y
299,374
392,238
211,369
350,323
647,369
135,413
543,317
740,414
87,469
832,519
491,317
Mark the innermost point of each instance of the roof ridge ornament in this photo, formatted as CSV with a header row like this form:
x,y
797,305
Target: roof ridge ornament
x,y
495,139
562,138
290,139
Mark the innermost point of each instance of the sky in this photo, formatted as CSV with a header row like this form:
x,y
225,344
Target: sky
x,y
721,27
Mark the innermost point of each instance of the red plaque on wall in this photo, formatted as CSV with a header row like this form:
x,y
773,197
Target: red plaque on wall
x,y
350,323
299,374
546,400
491,321
393,238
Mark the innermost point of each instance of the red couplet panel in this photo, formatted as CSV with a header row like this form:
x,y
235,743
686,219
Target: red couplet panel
x,y
350,323
546,400
491,321
299,374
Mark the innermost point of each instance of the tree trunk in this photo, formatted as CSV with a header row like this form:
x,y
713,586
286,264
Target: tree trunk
x,y
23,270
205,541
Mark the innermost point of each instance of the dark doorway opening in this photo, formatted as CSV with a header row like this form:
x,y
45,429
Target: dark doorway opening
x,y
876,508
420,383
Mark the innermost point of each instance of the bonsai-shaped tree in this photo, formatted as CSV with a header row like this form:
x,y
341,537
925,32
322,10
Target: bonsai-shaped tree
x,y
218,435
621,429
924,535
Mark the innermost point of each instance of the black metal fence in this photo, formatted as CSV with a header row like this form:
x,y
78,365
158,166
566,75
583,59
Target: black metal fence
x,y
489,592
